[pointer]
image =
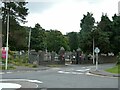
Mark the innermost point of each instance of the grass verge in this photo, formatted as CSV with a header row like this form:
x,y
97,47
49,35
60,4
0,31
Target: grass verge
x,y
55,65
8,68
115,69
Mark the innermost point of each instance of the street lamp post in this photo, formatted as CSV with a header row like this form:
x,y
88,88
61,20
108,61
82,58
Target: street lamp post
x,y
93,41
7,40
93,50
29,44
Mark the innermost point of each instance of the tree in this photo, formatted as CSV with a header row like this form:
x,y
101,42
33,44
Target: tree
x,y
115,41
86,25
55,40
101,40
17,12
111,33
38,38
87,22
18,40
105,25
73,40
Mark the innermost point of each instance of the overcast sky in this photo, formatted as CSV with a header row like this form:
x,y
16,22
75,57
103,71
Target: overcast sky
x,y
65,15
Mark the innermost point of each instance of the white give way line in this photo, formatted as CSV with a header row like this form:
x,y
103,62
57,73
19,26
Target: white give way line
x,y
9,85
72,71
34,81
4,72
14,85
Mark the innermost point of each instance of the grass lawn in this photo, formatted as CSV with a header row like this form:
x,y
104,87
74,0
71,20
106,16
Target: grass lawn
x,y
55,65
115,69
9,67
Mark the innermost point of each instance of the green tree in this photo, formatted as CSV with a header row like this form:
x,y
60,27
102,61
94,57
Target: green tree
x,y
17,39
38,38
106,26
87,22
17,12
105,23
55,40
86,25
115,41
73,40
101,39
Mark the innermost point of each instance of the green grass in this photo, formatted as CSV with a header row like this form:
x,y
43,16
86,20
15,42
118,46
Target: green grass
x,y
8,68
115,69
25,64
55,65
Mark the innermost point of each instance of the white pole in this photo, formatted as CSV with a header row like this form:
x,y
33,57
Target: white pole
x,y
93,51
29,43
7,41
96,61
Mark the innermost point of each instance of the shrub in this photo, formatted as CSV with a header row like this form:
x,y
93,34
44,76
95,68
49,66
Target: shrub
x,y
35,66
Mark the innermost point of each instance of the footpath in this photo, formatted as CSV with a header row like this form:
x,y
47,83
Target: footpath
x,y
101,70
23,68
104,73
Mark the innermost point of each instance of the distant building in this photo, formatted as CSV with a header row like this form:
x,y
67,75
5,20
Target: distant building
x,y
119,8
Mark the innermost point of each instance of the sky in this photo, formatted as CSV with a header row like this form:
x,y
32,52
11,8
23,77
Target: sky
x,y
66,15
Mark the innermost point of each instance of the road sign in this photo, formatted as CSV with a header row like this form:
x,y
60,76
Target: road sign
x,y
97,50
3,53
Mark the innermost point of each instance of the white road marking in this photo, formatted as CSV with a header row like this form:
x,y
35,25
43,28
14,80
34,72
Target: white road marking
x,y
2,73
8,72
55,68
83,67
66,72
63,72
76,73
83,70
32,81
35,81
9,85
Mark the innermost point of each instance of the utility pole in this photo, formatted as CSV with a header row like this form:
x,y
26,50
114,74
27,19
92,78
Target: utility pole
x,y
29,44
93,50
7,40
119,8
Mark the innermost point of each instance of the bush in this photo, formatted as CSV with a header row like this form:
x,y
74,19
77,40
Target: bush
x,y
35,66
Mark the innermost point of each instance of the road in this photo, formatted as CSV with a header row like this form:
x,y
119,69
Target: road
x,y
73,76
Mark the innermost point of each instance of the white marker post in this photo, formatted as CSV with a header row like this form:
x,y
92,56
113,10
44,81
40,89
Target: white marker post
x,y
7,41
97,50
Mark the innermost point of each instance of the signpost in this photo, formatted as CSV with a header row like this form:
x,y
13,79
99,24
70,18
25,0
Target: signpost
x,y
7,41
97,50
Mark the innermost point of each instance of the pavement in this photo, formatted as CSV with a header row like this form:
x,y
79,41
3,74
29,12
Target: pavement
x,y
23,68
103,73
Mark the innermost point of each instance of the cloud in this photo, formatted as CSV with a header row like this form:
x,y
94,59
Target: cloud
x,y
66,15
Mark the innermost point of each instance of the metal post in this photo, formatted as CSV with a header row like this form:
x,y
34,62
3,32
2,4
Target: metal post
x,y
29,43
96,61
7,41
93,51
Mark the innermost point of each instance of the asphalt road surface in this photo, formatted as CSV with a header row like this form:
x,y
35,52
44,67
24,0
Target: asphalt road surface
x,y
73,76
